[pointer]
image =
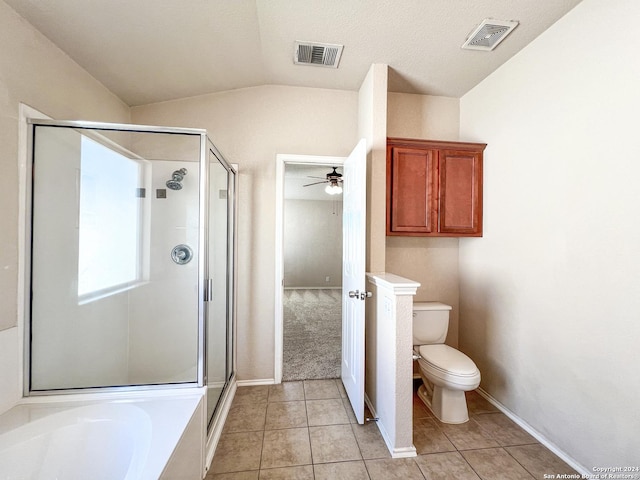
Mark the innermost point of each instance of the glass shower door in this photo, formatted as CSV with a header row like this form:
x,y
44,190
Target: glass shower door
x,y
219,311
114,258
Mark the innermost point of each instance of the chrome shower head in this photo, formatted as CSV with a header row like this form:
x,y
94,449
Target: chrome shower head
x,y
176,179
174,185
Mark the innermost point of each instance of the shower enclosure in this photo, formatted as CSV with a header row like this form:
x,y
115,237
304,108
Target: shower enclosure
x,y
131,269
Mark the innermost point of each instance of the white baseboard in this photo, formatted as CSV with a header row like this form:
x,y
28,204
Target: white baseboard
x,y
329,287
537,435
258,381
404,452
369,404
395,452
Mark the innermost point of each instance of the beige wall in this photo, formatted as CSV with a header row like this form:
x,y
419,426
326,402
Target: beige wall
x,y
423,116
250,126
550,303
372,126
35,72
433,262
312,243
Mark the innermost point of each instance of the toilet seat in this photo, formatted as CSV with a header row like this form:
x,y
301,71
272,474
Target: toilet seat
x,y
445,366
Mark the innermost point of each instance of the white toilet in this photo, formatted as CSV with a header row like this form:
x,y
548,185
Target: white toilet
x,y
446,372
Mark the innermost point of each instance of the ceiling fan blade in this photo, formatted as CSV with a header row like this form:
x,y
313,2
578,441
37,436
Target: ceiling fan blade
x,y
316,183
311,176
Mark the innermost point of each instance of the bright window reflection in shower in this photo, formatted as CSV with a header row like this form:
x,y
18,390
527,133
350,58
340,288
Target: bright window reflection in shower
x,y
109,221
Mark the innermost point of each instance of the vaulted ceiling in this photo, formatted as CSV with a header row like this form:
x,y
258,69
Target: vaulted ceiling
x,y
148,51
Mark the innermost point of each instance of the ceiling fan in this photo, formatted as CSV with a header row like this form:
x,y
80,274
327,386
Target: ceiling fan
x,y
333,181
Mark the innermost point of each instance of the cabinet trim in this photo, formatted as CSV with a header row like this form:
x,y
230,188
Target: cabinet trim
x,y
434,144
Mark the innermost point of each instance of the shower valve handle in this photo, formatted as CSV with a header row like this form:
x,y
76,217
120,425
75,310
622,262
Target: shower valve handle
x,y
181,254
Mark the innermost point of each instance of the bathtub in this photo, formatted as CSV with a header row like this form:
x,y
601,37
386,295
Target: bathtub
x,y
117,439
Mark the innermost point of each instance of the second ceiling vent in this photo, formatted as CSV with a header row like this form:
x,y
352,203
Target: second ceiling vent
x,y
319,54
489,34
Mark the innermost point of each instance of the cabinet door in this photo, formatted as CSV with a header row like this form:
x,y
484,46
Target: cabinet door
x,y
460,192
411,203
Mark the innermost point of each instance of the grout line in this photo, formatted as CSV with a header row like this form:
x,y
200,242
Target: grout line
x,y
367,468
470,466
458,451
419,469
306,411
516,460
264,426
534,433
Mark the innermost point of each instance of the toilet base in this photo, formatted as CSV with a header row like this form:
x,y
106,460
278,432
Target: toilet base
x,y
448,406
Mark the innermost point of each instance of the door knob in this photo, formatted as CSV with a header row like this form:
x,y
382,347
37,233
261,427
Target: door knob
x,y
359,294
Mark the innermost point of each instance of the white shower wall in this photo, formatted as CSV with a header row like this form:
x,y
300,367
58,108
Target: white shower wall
x,y
163,313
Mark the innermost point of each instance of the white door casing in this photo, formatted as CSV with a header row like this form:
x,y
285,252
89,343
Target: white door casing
x,y
353,276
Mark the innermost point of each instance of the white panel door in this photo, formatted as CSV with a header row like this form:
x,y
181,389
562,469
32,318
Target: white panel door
x,y
353,276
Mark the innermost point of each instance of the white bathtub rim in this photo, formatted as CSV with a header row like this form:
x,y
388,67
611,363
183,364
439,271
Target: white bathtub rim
x,y
127,419
169,412
124,393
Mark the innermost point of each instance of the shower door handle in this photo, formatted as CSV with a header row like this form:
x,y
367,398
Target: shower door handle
x,y
208,290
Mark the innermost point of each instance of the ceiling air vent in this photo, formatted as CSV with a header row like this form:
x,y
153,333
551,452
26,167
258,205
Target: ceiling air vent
x,y
489,34
320,54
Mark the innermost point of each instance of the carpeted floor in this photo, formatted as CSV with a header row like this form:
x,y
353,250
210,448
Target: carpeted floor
x,y
312,334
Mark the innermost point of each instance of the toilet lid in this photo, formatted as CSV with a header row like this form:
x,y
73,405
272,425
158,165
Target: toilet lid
x,y
449,359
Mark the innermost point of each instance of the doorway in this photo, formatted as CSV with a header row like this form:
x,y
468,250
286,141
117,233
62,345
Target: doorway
x,y
308,268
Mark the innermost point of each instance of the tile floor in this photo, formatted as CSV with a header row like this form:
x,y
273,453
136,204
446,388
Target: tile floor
x,y
306,431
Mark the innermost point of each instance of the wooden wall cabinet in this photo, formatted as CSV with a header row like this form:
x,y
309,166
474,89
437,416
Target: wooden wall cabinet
x,y
434,188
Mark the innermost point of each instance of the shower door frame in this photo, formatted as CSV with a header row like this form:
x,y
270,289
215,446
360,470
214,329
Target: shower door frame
x,y
203,270
231,279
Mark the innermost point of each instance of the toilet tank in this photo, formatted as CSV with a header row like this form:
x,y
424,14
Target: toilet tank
x,y
430,322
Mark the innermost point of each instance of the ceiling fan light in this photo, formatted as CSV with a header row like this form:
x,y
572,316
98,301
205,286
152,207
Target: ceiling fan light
x,y
333,189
